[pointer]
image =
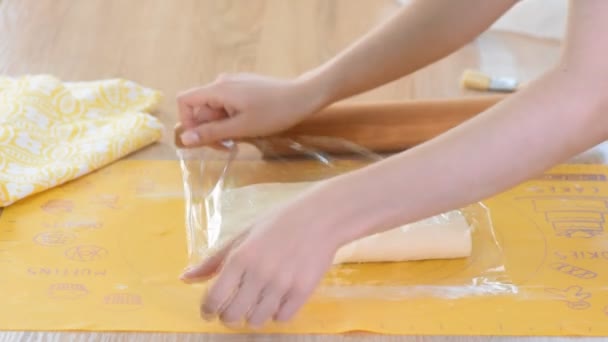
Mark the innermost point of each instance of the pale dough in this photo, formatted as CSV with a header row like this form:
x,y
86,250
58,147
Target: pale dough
x,y
445,236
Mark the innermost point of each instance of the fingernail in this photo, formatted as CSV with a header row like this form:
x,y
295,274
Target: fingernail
x,y
234,325
190,138
185,273
206,316
190,280
279,321
255,326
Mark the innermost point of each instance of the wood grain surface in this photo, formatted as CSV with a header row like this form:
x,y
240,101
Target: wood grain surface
x,y
174,45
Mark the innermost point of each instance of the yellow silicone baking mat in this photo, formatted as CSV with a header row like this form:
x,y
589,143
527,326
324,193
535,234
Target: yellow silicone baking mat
x,y
104,253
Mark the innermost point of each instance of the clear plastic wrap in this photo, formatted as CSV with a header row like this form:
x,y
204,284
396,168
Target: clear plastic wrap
x,y
452,255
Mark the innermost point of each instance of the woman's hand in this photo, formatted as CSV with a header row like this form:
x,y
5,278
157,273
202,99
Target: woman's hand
x,y
270,271
245,106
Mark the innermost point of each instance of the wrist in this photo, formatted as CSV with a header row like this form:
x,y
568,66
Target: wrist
x,y
346,211
318,88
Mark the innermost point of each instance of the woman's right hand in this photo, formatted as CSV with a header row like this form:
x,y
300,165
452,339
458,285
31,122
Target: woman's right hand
x,y
245,106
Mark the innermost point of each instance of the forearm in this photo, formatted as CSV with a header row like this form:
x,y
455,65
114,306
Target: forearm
x,y
419,34
547,123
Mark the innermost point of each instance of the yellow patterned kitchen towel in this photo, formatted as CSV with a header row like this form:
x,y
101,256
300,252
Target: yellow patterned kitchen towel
x,y
52,132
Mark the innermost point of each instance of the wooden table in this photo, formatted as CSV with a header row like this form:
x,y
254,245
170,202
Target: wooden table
x,y
174,45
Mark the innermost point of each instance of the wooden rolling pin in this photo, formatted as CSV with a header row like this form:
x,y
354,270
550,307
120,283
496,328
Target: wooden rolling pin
x,y
383,127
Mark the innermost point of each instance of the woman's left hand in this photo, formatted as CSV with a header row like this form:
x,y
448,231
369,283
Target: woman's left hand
x,y
270,271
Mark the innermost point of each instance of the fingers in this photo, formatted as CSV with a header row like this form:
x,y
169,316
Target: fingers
x,y
211,265
186,111
237,296
223,290
267,306
207,113
215,131
205,270
244,299
293,302
256,297
267,298
194,108
207,119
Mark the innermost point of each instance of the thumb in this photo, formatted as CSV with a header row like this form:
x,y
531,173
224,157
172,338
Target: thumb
x,y
209,267
206,269
214,131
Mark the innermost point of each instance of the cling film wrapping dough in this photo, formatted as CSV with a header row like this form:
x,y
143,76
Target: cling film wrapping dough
x,y
228,192
442,237
105,252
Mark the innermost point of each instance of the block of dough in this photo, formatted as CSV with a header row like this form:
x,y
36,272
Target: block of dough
x,y
445,236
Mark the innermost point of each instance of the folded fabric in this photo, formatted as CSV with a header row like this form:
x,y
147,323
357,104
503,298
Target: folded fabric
x,y
52,132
